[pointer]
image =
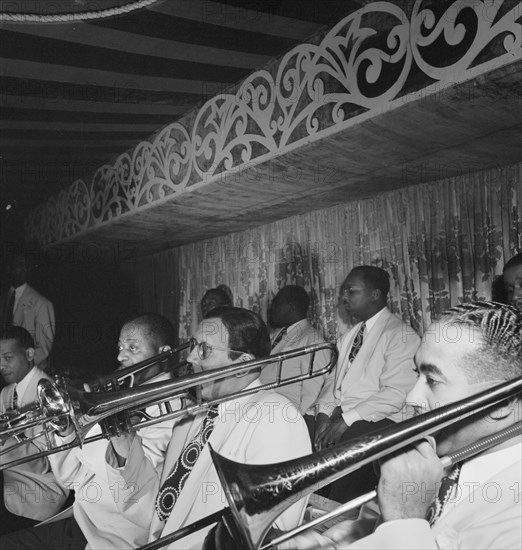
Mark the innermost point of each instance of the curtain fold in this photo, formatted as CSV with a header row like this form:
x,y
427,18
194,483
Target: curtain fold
x,y
442,243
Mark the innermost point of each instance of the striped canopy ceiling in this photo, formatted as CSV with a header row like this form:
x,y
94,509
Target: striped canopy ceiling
x,y
74,94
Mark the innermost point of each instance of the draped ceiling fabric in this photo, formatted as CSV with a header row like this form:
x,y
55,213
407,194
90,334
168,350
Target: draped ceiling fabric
x,y
442,243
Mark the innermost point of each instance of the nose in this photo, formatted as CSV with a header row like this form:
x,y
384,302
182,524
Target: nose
x,y
416,399
122,356
193,357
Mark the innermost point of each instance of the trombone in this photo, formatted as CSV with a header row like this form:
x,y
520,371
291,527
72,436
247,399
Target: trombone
x,y
258,494
60,407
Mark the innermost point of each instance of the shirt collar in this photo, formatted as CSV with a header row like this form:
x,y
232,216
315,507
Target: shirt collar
x,y
21,386
19,290
372,320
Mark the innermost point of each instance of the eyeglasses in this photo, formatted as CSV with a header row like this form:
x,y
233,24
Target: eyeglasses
x,y
204,349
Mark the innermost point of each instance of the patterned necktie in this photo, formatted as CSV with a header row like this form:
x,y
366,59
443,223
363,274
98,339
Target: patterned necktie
x,y
357,343
447,485
279,337
173,485
10,309
15,399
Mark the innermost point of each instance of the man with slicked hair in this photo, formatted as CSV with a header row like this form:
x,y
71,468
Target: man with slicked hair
x,y
421,503
29,492
471,348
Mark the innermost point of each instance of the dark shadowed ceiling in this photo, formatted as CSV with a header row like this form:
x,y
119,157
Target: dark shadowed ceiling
x,y
76,94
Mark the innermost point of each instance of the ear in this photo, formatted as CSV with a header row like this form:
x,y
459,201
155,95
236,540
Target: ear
x,y
29,353
376,294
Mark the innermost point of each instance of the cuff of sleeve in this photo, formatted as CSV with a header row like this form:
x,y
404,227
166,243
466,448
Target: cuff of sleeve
x,y
351,416
407,534
65,439
326,408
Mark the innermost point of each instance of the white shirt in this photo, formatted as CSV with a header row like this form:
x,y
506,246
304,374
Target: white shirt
x,y
477,471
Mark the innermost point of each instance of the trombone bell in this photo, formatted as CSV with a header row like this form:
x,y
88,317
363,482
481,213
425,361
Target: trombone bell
x,y
257,495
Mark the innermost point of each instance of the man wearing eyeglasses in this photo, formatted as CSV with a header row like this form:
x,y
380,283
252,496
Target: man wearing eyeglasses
x,y
260,428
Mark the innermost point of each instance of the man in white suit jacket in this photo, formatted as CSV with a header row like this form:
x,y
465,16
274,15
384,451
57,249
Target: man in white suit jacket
x,y
470,349
288,315
257,429
32,310
366,391
30,491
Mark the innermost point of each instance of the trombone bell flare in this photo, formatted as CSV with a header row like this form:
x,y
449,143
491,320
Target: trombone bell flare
x,y
258,494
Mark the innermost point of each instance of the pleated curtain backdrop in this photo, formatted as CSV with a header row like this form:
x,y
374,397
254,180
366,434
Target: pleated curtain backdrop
x,y
442,243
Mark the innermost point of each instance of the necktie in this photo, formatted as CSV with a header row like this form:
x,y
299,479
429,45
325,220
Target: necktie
x,y
357,343
447,485
173,485
15,400
10,309
279,337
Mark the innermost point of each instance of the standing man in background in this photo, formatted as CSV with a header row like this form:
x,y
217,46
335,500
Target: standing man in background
x,y
23,306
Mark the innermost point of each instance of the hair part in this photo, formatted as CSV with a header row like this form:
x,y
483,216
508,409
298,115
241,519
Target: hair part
x,y
23,338
499,355
247,332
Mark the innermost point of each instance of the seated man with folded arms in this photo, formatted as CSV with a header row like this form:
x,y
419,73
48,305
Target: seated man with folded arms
x,y
96,521
471,348
367,389
260,428
29,492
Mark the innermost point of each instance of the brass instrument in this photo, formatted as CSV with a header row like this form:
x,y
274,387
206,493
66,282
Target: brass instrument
x,y
52,410
258,494
60,407
126,377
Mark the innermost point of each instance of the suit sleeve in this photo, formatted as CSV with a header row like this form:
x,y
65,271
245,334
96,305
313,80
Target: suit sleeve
x,y
396,378
327,400
138,484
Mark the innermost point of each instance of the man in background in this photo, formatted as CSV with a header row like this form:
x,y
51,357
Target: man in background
x,y
293,330
25,307
512,276
373,375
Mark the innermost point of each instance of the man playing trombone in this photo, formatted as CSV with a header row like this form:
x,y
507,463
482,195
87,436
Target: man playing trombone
x,y
240,422
96,522
29,492
472,348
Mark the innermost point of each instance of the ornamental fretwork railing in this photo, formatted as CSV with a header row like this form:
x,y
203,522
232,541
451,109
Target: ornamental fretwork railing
x,y
374,60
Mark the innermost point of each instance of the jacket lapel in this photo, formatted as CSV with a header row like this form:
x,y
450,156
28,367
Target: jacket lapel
x,y
370,342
